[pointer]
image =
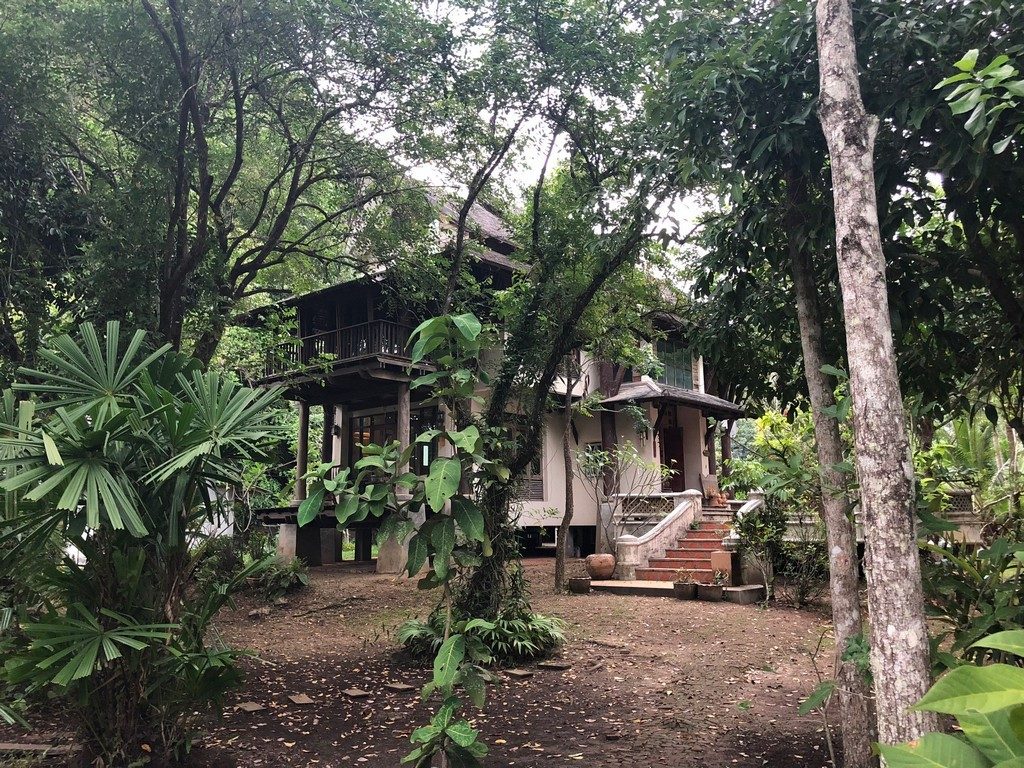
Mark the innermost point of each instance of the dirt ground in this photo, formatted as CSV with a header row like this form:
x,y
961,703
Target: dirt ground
x,y
652,682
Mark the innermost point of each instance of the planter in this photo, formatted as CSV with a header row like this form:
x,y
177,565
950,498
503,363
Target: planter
x,y
579,585
684,591
711,592
600,566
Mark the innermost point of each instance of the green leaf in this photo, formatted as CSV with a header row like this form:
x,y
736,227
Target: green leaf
x,y
310,507
975,690
818,697
469,518
996,734
417,554
442,481
461,733
934,750
468,326
969,61
466,439
446,663
1011,641
442,536
348,505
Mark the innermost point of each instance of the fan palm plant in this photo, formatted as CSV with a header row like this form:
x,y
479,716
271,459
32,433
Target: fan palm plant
x,y
116,452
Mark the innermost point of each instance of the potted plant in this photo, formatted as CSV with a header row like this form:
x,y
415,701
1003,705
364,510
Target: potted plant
x,y
684,587
714,591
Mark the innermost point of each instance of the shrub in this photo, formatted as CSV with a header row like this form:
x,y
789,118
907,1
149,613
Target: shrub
x,y
986,702
115,455
511,638
761,535
974,592
803,568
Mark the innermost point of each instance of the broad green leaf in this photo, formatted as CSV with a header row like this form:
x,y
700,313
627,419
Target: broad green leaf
x,y
461,733
465,439
417,555
969,61
469,518
310,507
467,325
1011,641
934,750
348,505
449,657
442,481
442,536
997,734
970,690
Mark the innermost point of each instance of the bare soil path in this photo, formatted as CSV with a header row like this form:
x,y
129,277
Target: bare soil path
x,y
652,682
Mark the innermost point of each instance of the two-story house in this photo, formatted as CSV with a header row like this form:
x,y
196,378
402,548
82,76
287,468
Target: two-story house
x,y
349,358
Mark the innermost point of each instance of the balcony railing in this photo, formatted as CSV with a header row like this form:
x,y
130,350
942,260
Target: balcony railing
x,y
328,348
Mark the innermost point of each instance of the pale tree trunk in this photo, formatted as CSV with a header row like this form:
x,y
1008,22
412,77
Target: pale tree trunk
x,y
851,688
899,634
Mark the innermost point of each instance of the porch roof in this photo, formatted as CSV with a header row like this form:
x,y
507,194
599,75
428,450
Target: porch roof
x,y
648,390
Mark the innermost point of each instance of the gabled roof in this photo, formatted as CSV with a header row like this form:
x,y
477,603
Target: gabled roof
x,y
647,390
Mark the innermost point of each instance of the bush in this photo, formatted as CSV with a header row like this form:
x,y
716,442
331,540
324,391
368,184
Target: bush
x,y
509,639
761,534
803,570
974,592
112,452
224,557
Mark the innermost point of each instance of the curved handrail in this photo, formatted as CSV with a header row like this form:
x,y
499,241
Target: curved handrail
x,y
632,551
755,500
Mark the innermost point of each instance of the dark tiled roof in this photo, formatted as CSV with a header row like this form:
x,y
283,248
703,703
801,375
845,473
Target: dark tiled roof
x,y
641,391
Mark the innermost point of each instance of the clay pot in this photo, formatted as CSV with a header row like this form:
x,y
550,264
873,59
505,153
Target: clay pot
x,y
579,585
600,566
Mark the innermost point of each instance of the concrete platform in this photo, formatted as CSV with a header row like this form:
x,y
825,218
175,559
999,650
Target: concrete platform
x,y
742,595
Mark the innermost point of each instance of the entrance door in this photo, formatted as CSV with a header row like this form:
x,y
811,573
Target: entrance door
x,y
672,457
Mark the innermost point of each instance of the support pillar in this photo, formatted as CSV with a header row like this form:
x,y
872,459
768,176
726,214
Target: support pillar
x,y
709,449
302,452
392,554
304,542
364,545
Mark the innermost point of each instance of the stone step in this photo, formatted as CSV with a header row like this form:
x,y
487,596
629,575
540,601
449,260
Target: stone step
x,y
751,593
703,545
685,549
669,574
689,563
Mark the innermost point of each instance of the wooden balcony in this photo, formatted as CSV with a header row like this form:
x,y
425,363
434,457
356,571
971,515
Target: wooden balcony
x,y
329,349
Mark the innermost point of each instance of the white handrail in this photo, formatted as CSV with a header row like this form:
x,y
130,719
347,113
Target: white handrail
x,y
755,500
632,551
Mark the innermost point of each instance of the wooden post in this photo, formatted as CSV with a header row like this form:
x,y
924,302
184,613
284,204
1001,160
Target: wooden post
x,y
727,449
327,439
302,452
404,415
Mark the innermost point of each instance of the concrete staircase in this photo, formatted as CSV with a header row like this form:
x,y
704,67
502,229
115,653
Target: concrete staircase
x,y
693,551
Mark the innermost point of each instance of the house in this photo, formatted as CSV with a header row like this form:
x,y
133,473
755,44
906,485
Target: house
x,y
349,360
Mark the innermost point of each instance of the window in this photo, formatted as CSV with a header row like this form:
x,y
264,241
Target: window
x,y
382,428
678,363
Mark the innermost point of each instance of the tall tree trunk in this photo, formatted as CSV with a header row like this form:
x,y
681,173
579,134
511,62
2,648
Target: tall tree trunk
x,y
568,511
899,634
851,687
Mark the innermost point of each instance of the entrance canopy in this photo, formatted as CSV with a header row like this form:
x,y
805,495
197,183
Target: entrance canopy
x,y
647,390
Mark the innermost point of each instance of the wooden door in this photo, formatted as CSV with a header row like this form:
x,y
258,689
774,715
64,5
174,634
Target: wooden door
x,y
672,457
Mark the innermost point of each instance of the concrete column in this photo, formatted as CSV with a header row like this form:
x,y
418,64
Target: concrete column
x,y
392,554
329,550
287,536
302,452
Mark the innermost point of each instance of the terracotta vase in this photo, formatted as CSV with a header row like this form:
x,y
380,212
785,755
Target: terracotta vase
x,y
600,566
